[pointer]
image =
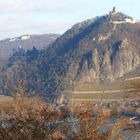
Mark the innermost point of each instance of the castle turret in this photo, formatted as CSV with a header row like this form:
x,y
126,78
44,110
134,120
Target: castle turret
x,y
114,10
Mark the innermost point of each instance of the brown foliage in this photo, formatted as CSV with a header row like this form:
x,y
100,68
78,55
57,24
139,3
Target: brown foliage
x,y
35,119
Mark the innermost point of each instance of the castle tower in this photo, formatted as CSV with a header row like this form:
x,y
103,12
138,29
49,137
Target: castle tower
x,y
114,10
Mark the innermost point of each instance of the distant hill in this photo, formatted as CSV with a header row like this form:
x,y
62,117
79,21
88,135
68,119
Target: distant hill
x,y
96,51
27,42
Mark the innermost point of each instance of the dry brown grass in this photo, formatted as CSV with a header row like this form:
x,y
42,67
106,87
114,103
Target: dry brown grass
x,y
26,118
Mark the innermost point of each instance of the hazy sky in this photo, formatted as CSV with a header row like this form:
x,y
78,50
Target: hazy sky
x,y
19,17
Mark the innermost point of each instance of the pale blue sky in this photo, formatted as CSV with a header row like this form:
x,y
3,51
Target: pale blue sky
x,y
18,17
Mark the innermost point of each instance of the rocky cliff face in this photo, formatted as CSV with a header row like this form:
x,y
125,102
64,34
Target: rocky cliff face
x,y
99,50
110,64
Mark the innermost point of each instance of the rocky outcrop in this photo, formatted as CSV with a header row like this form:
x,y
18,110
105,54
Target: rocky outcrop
x,y
114,63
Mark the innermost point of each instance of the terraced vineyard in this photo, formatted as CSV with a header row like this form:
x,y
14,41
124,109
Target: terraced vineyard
x,y
118,91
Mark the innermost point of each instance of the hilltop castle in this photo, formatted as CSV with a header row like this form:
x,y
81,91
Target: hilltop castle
x,y
119,18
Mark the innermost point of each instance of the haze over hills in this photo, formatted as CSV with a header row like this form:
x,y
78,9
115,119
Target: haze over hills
x,y
27,42
99,50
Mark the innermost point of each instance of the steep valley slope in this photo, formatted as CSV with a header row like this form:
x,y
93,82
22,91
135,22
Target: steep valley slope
x,y
96,51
